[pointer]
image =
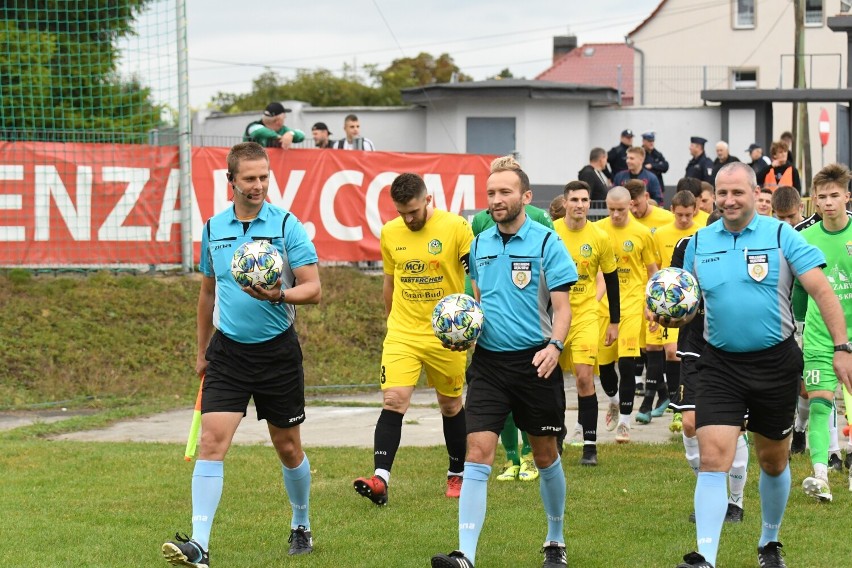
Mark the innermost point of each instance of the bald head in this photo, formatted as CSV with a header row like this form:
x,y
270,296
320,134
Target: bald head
x,y
618,193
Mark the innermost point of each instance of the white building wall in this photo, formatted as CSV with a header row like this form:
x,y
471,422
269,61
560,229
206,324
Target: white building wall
x,y
673,128
688,34
394,129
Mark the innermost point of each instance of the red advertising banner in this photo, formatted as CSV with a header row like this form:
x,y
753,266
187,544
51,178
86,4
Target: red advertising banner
x,y
106,204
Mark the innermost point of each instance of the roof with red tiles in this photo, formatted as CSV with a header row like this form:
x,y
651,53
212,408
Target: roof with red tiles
x,y
595,64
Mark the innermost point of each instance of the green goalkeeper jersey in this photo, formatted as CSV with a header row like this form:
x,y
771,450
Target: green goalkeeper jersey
x,y
837,248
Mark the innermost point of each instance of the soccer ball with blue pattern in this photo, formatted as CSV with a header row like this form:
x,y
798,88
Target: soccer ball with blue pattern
x,y
457,320
257,263
672,292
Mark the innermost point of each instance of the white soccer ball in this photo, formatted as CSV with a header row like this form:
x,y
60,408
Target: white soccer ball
x,y
257,262
457,319
672,292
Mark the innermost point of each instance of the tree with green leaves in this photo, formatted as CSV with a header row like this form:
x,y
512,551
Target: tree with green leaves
x,y
59,76
323,88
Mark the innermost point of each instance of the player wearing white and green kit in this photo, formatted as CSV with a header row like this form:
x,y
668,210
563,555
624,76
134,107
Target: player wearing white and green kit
x,y
832,236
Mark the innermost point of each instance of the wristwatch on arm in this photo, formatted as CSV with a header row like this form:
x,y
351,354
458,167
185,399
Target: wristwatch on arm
x,y
280,299
559,345
843,347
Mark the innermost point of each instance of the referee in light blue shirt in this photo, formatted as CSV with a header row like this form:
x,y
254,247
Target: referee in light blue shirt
x,y
248,348
745,264
522,273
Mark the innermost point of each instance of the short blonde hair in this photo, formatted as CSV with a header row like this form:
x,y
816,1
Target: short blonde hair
x,y
510,164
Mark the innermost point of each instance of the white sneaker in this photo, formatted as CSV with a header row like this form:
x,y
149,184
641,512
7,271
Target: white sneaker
x,y
611,419
622,433
817,488
577,438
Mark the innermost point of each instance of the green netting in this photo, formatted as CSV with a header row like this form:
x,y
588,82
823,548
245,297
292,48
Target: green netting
x,y
87,70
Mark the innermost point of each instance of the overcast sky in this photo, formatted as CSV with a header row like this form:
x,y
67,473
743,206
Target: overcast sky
x,y
231,43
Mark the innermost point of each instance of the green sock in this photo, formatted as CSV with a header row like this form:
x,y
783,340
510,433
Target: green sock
x,y
818,429
509,437
526,449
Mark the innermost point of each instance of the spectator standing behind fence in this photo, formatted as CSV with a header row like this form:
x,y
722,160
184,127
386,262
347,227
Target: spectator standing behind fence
x,y
655,162
595,174
321,136
700,166
780,171
617,156
723,156
635,159
270,131
354,140
758,160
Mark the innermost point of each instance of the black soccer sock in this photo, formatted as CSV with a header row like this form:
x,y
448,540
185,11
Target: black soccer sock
x,y
626,384
455,436
653,378
641,362
673,378
609,379
587,407
386,438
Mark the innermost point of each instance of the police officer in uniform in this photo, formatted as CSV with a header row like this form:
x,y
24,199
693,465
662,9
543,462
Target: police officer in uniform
x,y
654,162
700,166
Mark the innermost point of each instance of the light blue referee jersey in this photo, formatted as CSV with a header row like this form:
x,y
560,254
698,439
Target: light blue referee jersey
x,y
746,280
236,314
515,280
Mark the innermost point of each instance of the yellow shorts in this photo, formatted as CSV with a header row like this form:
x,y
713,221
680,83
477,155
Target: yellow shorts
x,y
663,335
581,345
403,359
629,330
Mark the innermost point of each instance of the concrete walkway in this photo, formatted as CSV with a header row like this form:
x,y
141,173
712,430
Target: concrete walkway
x,y
337,425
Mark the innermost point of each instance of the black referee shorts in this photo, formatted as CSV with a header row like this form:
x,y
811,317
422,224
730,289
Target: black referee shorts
x,y
502,382
685,398
763,383
270,371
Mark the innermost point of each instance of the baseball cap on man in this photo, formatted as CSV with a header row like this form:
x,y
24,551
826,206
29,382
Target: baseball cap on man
x,y
648,136
753,147
274,109
320,126
627,133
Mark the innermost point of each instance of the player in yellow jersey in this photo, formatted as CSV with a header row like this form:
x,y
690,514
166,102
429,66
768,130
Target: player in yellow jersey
x,y
653,217
661,345
591,250
633,246
424,254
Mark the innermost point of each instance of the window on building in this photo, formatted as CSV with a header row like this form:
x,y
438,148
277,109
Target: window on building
x,y
813,13
845,6
744,79
743,14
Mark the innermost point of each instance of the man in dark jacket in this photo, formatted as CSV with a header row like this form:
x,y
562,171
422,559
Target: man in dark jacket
x,y
655,162
700,166
594,174
617,156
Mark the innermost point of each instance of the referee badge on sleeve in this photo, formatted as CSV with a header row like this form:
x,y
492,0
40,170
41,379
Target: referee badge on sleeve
x,y
521,274
758,266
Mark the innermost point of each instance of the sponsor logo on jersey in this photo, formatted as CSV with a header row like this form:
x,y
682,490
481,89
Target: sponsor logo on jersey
x,y
414,266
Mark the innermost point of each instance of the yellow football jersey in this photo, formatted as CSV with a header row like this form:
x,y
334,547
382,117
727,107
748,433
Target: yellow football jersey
x,y
655,219
700,218
425,267
591,249
667,236
634,249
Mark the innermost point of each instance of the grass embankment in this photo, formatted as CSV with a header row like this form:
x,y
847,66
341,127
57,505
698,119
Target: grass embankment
x,y
108,340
